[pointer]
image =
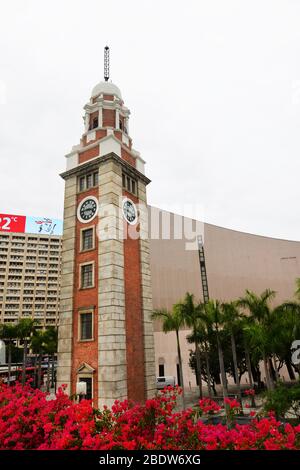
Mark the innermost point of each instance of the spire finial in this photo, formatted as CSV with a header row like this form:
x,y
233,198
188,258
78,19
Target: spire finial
x,y
106,63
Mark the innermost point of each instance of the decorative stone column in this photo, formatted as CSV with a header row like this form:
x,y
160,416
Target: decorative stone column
x,y
117,124
67,284
86,122
147,308
100,117
112,375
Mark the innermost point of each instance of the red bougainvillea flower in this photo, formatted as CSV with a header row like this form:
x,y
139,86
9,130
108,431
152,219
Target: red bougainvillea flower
x,y
29,420
208,406
232,403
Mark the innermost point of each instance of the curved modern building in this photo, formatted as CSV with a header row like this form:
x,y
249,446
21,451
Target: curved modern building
x,y
234,261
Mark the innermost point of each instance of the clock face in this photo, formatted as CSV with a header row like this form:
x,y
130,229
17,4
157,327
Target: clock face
x,y
87,209
129,211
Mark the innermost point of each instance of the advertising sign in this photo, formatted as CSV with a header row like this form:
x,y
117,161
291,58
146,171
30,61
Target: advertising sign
x,y
12,223
43,226
30,224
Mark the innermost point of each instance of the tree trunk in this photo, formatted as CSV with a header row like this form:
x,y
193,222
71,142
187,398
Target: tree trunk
x,y
52,373
249,369
290,369
236,372
40,371
267,372
180,368
223,376
222,368
35,370
198,368
271,369
9,362
208,373
48,374
248,364
24,362
274,366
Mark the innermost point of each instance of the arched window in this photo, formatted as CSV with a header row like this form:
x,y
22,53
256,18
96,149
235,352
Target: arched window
x,y
85,374
161,367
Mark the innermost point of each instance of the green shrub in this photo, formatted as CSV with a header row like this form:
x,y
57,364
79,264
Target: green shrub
x,y
284,399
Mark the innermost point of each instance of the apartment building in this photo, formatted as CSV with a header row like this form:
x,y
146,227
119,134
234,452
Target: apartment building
x,y
30,268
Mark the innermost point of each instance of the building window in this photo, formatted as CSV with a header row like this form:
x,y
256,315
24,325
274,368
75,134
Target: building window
x,y
87,275
88,181
81,183
95,178
85,326
133,186
89,388
129,184
161,370
87,239
95,123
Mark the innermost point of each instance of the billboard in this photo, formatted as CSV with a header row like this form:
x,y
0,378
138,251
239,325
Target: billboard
x,y
30,224
12,223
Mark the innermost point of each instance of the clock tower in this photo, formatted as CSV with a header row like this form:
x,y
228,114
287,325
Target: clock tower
x,y
105,327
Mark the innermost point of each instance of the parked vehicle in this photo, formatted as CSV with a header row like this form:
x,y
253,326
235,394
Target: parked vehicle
x,y
165,381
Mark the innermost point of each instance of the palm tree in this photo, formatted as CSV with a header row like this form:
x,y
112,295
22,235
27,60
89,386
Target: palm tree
x,y
25,329
261,314
244,322
214,320
202,335
191,315
173,321
231,318
51,348
207,333
38,348
8,332
285,329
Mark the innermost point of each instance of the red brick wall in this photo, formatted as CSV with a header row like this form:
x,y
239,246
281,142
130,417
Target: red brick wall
x,y
108,97
118,135
133,313
100,134
126,156
108,118
88,154
85,351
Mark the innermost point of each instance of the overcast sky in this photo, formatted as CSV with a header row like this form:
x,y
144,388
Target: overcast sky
x,y
214,93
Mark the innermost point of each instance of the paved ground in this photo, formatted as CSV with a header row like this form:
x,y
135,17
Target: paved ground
x,y
192,397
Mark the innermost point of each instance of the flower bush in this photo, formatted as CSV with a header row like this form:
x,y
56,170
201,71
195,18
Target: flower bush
x,y
208,406
232,409
28,420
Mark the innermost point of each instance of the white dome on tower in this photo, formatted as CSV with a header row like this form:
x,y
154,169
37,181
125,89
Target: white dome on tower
x,y
107,88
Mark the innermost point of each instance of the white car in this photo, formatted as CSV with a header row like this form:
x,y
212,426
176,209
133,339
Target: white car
x,y
166,381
